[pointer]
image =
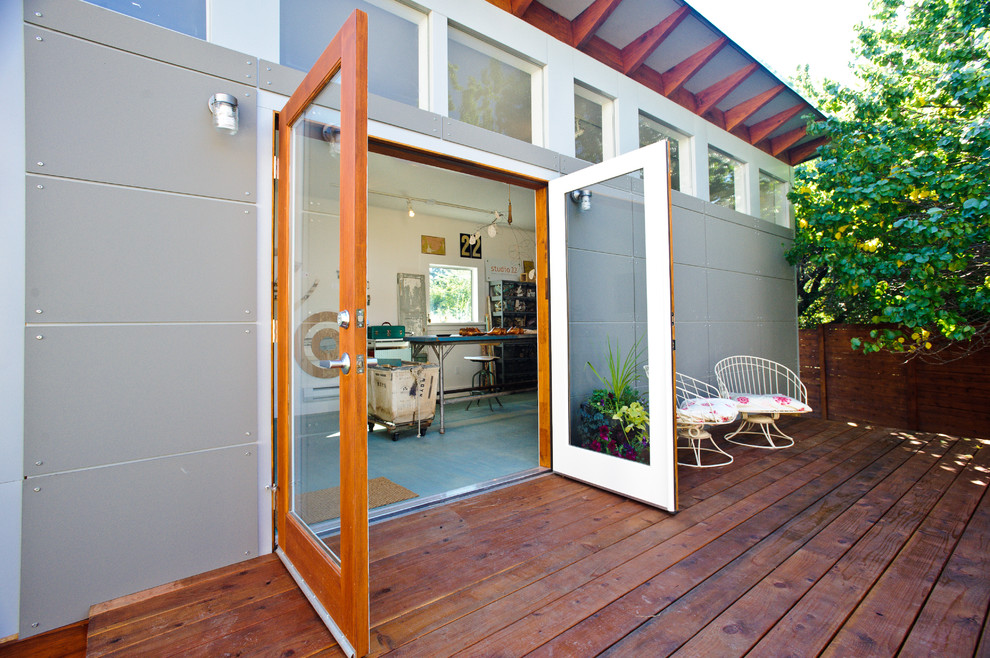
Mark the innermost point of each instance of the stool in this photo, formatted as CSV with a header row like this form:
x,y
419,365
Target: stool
x,y
484,379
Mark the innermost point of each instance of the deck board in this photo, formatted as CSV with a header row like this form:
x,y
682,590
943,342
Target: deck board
x,y
857,540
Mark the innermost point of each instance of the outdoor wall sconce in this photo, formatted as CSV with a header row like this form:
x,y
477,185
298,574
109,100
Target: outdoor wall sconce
x,y
224,110
331,135
582,198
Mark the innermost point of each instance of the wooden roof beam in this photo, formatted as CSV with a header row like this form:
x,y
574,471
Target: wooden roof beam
x,y
640,48
588,21
739,113
519,7
762,129
802,152
708,98
677,75
783,142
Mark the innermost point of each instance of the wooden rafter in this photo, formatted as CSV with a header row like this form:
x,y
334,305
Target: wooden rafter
x,y
709,97
634,54
588,21
581,32
519,7
759,131
674,78
802,152
783,142
739,113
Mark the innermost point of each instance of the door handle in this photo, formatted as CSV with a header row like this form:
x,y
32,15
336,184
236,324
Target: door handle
x,y
344,363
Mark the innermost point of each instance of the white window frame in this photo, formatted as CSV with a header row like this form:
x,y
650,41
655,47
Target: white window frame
x,y
783,217
474,292
607,103
466,37
683,148
739,179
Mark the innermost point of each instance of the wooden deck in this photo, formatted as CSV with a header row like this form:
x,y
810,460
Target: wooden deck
x,y
857,541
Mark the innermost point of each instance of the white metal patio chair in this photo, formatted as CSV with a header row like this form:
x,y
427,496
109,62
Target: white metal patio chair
x,y
763,390
700,404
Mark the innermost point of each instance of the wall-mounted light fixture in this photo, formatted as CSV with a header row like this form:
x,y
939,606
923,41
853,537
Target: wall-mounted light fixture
x,y
582,198
331,135
224,110
409,208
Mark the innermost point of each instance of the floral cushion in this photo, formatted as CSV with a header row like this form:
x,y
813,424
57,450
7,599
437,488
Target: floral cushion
x,y
775,403
707,410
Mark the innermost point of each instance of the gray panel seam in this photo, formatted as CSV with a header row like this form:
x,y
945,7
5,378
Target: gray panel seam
x,y
179,323
149,57
143,459
248,203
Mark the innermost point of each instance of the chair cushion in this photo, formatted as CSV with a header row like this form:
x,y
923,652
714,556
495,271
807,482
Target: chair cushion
x,y
751,404
708,410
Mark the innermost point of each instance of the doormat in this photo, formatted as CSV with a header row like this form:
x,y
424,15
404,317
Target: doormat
x,y
324,504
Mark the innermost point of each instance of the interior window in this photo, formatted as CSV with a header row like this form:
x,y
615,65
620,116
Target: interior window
x,y
652,131
453,294
773,199
724,177
186,16
305,27
488,87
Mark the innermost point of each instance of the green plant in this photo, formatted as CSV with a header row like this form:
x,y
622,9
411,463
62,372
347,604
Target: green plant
x,y
633,417
623,372
893,216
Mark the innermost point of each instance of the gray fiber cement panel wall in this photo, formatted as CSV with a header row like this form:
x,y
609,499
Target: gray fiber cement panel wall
x,y
96,534
104,253
101,114
141,395
734,292
104,394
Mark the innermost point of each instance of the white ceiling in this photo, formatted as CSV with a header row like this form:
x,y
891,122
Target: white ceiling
x,y
419,181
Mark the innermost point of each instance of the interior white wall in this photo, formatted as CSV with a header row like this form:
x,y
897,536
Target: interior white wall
x,y
394,247
12,154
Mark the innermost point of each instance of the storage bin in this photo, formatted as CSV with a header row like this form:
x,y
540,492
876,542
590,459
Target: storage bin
x,y
395,394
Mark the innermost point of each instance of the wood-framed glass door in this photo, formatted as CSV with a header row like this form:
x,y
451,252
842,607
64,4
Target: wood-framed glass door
x,y
610,285
322,514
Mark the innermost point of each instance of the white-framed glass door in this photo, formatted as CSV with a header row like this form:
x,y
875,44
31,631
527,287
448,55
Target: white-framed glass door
x,y
610,290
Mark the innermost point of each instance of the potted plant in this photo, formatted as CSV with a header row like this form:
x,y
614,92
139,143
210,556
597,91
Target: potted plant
x,y
615,419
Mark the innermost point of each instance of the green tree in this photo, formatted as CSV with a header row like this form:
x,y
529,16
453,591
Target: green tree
x,y
450,294
893,217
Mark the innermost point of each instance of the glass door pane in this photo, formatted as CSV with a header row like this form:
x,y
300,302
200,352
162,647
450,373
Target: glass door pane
x,y
611,298
322,496
315,202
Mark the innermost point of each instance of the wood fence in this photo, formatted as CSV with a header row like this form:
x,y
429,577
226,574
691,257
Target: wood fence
x,y
885,389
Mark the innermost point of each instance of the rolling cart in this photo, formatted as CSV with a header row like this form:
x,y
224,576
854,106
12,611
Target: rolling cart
x,y
402,397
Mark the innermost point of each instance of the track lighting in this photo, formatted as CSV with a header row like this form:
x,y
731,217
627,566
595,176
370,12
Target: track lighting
x,y
409,208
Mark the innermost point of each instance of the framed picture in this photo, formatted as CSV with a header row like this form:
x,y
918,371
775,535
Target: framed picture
x,y
469,250
430,244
